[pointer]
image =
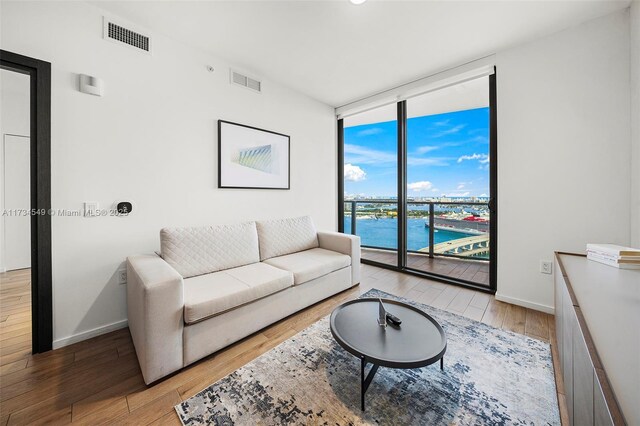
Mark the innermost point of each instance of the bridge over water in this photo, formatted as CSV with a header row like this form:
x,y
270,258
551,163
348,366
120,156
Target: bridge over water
x,y
468,246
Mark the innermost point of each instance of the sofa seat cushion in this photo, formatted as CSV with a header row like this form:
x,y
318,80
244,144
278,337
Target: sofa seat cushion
x,y
208,295
310,264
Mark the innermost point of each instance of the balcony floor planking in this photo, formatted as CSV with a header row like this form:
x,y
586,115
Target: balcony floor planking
x,y
475,271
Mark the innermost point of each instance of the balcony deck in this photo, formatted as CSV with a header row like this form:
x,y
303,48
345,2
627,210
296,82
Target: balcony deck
x,y
475,271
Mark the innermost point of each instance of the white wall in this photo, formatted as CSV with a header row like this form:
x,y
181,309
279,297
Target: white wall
x,y
14,120
152,139
17,198
635,123
563,151
14,107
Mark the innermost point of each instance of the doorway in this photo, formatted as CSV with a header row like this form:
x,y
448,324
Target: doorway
x,y
25,237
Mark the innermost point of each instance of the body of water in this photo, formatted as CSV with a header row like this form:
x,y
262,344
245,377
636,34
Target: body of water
x,y
384,233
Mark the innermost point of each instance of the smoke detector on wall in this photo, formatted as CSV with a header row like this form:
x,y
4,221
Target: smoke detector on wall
x,y
125,34
91,85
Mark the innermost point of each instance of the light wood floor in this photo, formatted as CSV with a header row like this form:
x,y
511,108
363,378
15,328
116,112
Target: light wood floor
x,y
98,381
476,271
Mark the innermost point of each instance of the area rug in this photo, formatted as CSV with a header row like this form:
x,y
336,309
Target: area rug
x,y
490,377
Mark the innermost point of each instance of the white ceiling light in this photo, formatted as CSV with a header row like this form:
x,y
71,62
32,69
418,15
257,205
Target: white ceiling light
x,y
357,1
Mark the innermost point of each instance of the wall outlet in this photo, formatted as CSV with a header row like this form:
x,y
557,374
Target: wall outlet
x,y
122,276
546,267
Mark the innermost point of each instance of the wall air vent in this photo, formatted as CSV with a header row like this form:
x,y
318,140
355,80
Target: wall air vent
x,y
124,34
244,81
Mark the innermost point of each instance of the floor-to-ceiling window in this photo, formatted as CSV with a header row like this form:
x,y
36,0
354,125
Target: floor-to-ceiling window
x,y
440,146
371,182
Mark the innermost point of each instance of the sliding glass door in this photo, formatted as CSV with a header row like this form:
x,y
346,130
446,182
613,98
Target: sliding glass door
x,y
420,183
448,182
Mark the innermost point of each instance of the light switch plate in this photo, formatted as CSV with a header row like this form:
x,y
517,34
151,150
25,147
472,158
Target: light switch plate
x,y
546,267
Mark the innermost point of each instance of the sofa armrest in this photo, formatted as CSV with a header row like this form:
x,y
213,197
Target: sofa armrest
x,y
345,244
155,306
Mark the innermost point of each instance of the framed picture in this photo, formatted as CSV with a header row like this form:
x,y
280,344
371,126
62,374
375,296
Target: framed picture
x,y
252,158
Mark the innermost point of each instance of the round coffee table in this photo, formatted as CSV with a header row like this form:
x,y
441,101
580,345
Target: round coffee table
x,y
419,341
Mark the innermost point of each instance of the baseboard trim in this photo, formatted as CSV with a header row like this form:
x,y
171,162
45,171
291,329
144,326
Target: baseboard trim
x,y
75,338
525,303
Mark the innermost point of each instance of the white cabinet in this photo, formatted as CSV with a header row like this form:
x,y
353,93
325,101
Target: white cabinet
x,y
589,398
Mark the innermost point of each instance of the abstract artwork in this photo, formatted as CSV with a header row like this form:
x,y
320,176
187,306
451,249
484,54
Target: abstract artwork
x,y
249,157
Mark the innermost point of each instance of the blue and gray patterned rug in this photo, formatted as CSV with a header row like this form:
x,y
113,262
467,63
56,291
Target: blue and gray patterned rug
x,y
490,377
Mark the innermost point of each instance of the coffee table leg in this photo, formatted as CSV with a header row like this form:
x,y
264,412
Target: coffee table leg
x,y
365,381
363,364
442,363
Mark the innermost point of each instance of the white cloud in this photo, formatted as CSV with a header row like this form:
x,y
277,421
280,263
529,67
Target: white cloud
x,y
460,186
361,155
442,123
370,132
483,195
430,161
354,173
435,190
482,158
425,149
479,139
458,194
451,131
420,186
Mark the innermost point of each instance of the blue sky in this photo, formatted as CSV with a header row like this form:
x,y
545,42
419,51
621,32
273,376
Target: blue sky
x,y
447,155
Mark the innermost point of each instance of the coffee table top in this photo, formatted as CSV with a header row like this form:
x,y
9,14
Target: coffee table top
x,y
417,342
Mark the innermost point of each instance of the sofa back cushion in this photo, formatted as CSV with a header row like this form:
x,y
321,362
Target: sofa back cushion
x,y
285,236
206,249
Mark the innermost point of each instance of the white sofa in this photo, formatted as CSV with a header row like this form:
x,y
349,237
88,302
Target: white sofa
x,y
212,286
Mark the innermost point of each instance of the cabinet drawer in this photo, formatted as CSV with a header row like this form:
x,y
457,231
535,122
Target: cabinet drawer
x,y
582,379
558,302
601,414
569,323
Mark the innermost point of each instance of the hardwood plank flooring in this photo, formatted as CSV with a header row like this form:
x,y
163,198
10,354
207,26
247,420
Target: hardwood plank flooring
x,y
515,319
98,381
495,313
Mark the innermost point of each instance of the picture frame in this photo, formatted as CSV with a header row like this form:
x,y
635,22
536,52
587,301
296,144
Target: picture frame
x,y
252,158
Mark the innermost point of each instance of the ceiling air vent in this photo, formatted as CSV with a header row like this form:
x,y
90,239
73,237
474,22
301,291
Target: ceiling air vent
x,y
118,33
244,81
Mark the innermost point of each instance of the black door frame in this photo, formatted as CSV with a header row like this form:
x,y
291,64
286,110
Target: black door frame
x,y
402,202
493,181
40,170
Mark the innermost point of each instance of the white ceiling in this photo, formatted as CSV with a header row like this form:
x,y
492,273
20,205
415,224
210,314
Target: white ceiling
x,y
337,52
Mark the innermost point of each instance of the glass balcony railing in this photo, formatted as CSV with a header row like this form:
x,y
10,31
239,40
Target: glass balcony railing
x,y
453,229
